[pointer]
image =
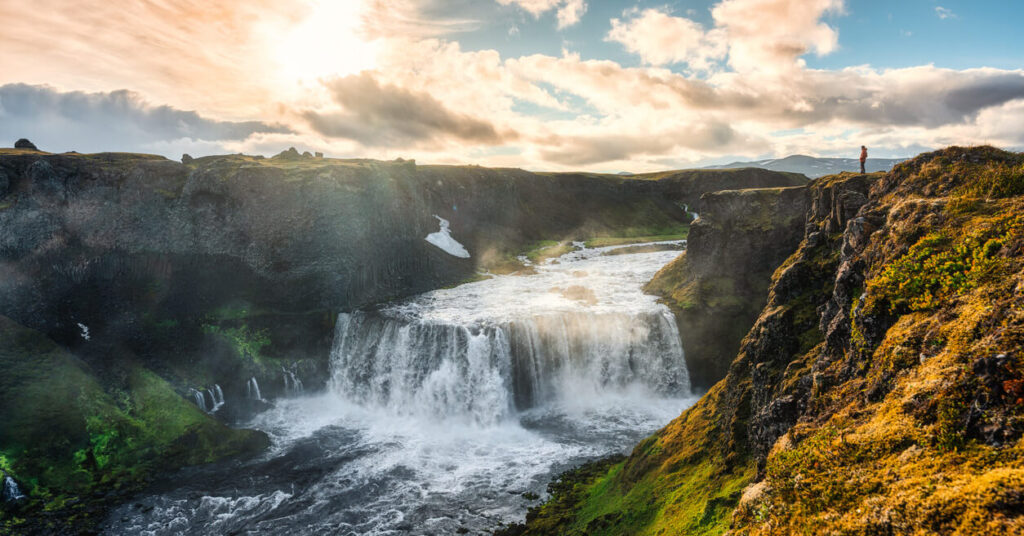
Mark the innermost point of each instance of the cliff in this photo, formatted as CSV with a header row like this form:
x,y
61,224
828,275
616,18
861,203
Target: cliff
x,y
719,285
139,281
879,391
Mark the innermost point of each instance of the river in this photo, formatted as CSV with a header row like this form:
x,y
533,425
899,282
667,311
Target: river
x,y
450,412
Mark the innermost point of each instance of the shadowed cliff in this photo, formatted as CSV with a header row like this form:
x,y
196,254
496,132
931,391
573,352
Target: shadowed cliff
x,y
718,286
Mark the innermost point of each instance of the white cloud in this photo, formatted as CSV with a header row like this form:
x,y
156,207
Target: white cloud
x,y
944,13
756,35
569,12
660,39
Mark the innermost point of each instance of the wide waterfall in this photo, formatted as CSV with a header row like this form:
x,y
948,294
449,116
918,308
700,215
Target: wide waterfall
x,y
449,412
486,350
488,371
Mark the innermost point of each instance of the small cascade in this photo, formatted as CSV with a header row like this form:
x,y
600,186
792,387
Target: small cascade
x,y
252,389
199,398
292,385
11,492
217,396
693,215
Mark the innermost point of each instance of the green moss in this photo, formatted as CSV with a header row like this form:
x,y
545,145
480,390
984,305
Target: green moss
x,y
246,342
938,267
66,435
678,481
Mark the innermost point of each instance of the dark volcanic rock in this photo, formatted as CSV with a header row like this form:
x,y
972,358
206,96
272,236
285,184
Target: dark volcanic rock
x,y
718,287
25,144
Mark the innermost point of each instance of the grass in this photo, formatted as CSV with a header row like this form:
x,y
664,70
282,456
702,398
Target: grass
x,y
67,436
675,234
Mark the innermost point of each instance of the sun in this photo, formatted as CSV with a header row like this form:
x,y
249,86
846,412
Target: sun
x,y
327,42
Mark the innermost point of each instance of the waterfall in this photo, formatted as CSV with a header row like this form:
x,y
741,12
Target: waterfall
x,y
485,372
11,492
291,383
199,398
693,215
252,389
217,396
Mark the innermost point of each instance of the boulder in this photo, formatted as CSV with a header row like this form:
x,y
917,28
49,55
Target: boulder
x,y
25,144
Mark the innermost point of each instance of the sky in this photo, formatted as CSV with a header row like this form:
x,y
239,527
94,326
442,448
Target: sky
x,y
539,84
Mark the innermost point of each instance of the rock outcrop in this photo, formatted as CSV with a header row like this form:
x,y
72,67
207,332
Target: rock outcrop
x,y
25,144
719,285
880,391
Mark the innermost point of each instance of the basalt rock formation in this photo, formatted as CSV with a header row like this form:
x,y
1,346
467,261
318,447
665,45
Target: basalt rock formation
x,y
718,286
880,391
157,292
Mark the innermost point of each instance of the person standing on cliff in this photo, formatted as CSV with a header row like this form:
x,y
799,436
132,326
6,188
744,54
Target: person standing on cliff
x,y
863,157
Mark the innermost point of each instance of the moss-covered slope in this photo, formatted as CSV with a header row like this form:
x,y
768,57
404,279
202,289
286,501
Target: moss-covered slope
x,y
72,440
879,391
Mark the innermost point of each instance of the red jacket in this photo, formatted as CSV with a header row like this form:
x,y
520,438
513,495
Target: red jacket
x,y
863,155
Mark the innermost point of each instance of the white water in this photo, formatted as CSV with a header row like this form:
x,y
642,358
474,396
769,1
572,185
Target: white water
x,y
443,410
11,492
252,389
216,398
292,385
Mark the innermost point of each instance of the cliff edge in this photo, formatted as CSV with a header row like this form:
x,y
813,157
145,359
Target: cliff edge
x,y
880,391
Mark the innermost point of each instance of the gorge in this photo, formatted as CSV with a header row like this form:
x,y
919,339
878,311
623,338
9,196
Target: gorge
x,y
242,344
220,284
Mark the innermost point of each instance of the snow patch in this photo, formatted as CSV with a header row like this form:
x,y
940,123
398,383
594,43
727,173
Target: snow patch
x,y
84,329
443,239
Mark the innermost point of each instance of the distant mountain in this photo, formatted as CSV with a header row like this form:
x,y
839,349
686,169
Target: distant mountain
x,y
815,167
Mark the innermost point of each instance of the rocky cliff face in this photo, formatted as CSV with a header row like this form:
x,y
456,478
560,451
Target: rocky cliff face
x,y
148,281
719,285
879,391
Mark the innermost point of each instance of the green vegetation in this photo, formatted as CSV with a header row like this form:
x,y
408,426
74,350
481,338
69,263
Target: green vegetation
x,y
65,436
678,481
938,267
663,235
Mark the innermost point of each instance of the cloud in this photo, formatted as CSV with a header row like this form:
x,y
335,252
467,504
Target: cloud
x,y
387,115
112,121
660,39
569,12
755,35
944,13
583,149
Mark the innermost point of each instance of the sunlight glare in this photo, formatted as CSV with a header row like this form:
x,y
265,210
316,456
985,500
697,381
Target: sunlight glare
x,y
326,43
